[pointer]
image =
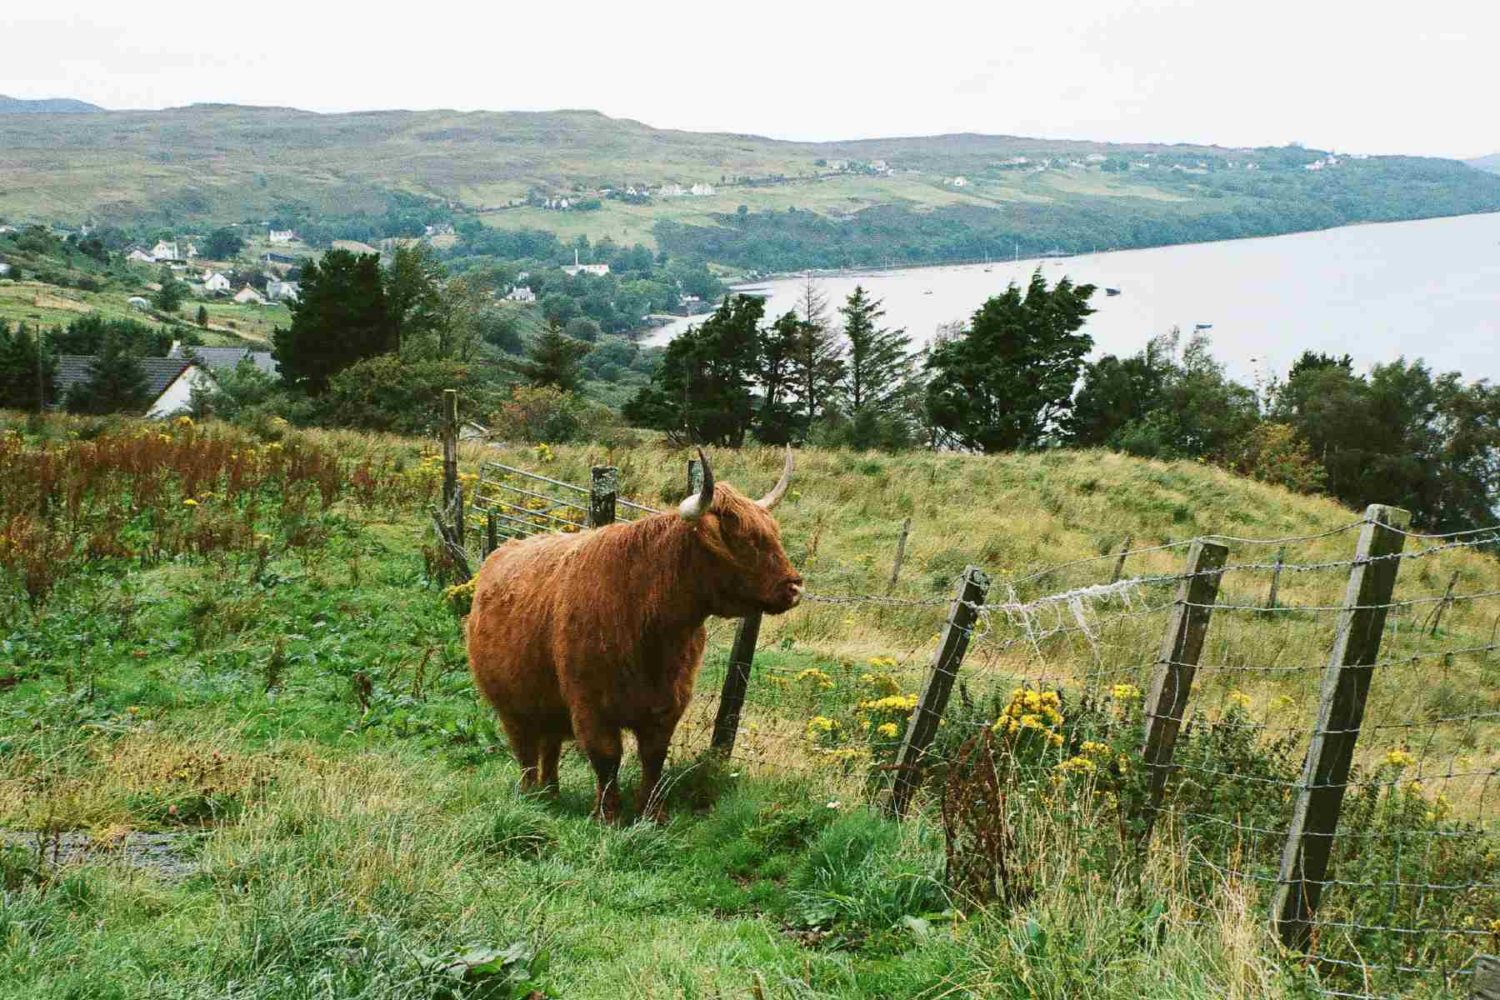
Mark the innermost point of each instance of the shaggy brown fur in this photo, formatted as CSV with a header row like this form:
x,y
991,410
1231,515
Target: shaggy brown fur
x,y
584,636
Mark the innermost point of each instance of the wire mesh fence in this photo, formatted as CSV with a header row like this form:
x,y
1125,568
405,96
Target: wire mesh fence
x,y
1222,727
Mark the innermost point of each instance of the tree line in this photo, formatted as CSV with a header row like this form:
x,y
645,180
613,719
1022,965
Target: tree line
x,y
1016,376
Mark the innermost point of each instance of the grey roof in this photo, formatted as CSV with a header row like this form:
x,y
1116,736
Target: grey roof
x,y
218,358
73,369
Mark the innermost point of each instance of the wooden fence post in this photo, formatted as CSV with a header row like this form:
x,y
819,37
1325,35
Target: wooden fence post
x,y
695,476
1120,562
736,681
1341,709
933,701
1172,680
1276,576
458,513
450,445
491,532
604,486
1486,984
900,554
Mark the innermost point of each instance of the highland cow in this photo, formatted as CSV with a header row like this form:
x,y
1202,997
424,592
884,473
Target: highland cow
x,y
584,636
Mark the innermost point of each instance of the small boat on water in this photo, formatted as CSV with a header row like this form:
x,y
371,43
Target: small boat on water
x,y
1111,291
927,291
1202,326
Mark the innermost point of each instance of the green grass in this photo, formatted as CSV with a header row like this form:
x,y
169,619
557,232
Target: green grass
x,y
349,845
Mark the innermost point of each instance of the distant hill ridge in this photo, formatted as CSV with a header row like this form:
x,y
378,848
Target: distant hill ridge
x,y
44,106
1490,163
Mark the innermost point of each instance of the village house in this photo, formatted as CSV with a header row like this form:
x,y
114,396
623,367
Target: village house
x,y
521,293
249,296
701,190
169,381
216,283
281,237
671,191
575,269
959,182
222,358
354,246
139,256
282,291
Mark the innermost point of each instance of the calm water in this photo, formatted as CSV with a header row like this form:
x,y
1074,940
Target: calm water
x,y
1428,289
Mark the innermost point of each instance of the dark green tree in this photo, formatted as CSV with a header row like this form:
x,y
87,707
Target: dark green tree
x,y
222,244
414,298
116,382
28,371
554,359
877,383
1007,380
816,363
339,318
776,421
169,296
203,317
702,390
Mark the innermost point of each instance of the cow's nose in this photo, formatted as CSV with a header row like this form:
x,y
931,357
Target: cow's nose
x,y
794,586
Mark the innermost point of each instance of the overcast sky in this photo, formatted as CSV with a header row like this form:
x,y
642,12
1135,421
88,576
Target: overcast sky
x,y
1367,76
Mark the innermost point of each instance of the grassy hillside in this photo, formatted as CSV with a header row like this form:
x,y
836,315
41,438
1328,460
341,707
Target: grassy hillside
x,y
267,678
216,163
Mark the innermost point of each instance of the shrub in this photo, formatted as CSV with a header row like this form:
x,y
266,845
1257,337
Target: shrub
x,y
537,414
388,393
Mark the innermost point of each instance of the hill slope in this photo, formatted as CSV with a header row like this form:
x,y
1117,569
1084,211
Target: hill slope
x,y
865,201
44,106
1490,163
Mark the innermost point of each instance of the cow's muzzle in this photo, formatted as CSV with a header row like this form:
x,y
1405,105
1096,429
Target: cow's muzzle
x,y
788,596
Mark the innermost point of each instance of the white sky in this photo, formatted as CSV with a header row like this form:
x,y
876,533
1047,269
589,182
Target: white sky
x,y
1353,75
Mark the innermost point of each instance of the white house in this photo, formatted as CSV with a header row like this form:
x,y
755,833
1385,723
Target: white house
x,y
165,250
216,282
282,291
574,269
140,256
249,295
701,190
170,381
959,182
671,191
521,293
281,237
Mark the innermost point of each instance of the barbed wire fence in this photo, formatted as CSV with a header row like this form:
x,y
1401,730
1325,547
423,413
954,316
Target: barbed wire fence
x,y
1321,733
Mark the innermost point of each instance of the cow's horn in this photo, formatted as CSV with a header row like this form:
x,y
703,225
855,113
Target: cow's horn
x,y
696,506
773,498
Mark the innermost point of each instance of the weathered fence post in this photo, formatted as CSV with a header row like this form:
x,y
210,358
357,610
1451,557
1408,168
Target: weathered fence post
x,y
933,701
736,681
450,445
1172,680
1437,613
1486,984
1341,709
604,486
1120,562
1276,576
900,554
458,513
695,476
491,532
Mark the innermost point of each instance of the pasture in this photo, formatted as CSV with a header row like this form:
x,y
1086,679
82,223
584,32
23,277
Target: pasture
x,y
272,677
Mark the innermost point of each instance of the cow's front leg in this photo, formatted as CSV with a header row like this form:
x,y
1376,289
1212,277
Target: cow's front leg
x,y
653,741
602,744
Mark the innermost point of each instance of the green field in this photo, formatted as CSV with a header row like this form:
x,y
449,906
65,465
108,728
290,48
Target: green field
x,y
270,677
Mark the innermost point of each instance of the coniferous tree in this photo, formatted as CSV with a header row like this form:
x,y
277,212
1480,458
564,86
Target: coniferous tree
x,y
339,318
168,298
816,365
28,372
116,381
553,359
1006,381
776,418
877,374
702,390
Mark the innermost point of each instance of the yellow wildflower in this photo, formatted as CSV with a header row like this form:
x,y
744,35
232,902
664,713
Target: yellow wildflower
x,y
822,725
1400,757
887,730
1124,692
190,502
816,678
1076,765
1239,699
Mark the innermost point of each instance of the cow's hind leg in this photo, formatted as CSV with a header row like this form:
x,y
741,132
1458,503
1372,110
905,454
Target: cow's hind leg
x,y
653,742
602,744
526,744
551,752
